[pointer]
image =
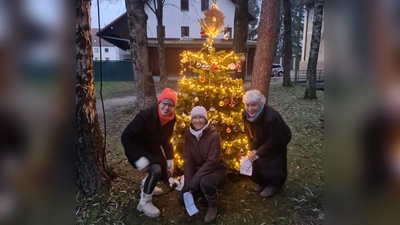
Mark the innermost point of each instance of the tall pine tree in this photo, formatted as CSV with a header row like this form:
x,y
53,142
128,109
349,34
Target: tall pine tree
x,y
213,88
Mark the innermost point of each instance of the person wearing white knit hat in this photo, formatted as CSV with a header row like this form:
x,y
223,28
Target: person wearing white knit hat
x,y
198,117
203,167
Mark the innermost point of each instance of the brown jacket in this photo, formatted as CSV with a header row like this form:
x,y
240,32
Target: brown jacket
x,y
201,157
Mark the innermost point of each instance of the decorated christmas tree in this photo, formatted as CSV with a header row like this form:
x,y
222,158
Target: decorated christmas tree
x,y
212,88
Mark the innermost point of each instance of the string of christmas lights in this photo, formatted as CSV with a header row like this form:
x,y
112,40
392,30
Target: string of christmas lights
x,y
215,90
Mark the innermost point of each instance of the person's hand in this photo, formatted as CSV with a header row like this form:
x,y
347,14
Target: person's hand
x,y
170,166
253,156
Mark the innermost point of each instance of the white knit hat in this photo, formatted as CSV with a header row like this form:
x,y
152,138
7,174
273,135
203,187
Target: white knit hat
x,y
199,111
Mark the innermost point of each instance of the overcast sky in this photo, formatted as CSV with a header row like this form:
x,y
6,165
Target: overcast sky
x,y
108,11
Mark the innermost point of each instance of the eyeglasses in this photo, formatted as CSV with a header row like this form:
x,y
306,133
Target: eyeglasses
x,y
167,104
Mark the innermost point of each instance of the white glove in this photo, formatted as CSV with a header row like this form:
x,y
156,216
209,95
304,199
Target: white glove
x,y
170,165
142,163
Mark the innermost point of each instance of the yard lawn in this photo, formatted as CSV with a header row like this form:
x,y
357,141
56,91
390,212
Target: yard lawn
x,y
113,89
116,89
301,201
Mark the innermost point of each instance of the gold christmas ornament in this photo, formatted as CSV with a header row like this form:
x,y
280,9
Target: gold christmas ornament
x,y
221,103
226,36
212,109
214,19
198,65
183,125
196,99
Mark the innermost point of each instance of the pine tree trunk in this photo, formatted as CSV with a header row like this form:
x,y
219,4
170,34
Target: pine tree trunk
x,y
161,45
299,27
240,32
311,91
279,32
287,43
91,164
265,46
137,25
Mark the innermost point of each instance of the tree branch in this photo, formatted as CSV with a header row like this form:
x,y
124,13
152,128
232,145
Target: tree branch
x,y
154,11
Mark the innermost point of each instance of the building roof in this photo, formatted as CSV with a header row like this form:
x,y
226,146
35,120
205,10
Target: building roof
x,y
96,39
195,43
117,33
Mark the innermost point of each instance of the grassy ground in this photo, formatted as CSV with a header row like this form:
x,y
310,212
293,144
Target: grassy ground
x,y
112,89
301,201
115,89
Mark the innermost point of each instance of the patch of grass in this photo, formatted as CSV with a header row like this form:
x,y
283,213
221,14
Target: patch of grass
x,y
300,201
114,88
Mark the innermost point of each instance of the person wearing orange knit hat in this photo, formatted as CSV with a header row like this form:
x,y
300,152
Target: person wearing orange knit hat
x,y
147,144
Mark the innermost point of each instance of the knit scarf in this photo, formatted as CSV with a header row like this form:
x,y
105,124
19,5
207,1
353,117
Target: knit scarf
x,y
254,118
165,119
198,133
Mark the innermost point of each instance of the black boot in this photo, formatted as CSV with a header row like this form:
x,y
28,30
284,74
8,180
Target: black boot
x,y
212,208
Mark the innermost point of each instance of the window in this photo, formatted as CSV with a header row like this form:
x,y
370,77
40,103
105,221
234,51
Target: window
x,y
96,50
184,5
106,50
205,5
229,31
97,58
184,31
107,58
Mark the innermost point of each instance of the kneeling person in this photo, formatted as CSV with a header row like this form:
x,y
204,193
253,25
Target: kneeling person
x,y
268,136
203,168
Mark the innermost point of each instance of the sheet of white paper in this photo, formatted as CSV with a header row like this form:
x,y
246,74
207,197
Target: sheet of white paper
x,y
246,167
189,203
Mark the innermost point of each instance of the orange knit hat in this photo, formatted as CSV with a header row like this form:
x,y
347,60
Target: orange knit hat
x,y
169,94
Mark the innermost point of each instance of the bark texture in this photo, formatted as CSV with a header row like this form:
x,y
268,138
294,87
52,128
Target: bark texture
x,y
311,91
137,25
91,164
266,45
287,42
240,32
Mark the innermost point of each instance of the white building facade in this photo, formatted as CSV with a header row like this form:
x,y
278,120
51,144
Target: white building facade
x,y
181,17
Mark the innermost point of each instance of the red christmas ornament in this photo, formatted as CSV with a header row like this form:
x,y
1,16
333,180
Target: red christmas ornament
x,y
202,33
202,79
239,69
226,101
